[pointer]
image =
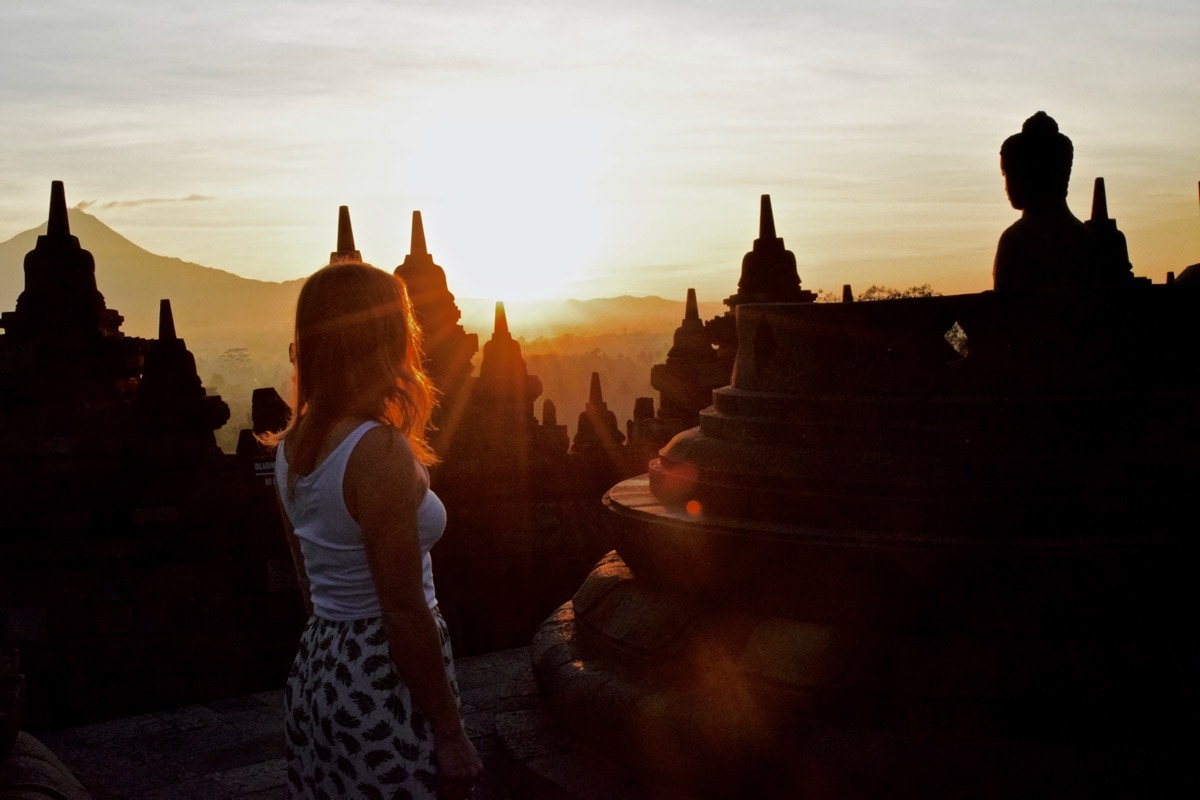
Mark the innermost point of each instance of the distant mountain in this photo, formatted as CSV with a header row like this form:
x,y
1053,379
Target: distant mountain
x,y
214,310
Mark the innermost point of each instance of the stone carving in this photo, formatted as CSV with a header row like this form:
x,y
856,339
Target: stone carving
x,y
553,438
769,270
60,300
692,371
597,430
61,340
448,348
1048,247
492,432
646,433
768,276
172,403
269,413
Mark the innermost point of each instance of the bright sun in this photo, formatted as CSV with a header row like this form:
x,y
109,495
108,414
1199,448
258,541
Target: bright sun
x,y
514,181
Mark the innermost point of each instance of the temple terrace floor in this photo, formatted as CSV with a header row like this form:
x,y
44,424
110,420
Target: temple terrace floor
x,y
233,749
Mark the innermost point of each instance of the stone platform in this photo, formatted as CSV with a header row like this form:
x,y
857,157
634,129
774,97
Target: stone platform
x,y
233,749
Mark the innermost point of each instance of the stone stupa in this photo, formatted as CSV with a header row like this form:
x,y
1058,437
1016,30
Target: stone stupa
x,y
882,568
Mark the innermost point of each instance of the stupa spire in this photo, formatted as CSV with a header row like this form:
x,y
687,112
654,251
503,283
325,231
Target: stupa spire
x,y
501,326
58,226
166,321
595,394
766,220
691,311
417,247
345,239
1099,202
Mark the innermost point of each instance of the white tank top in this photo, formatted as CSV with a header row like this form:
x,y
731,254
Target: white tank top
x,y
335,557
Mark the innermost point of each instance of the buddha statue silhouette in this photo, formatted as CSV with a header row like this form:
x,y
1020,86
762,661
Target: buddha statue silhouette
x,y
1048,247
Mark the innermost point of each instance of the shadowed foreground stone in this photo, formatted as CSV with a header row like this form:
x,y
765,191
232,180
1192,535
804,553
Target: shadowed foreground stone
x,y
879,567
31,772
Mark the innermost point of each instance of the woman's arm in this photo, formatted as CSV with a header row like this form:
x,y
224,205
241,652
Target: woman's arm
x,y
383,490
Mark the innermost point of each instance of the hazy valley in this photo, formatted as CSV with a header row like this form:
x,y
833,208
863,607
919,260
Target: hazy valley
x,y
238,329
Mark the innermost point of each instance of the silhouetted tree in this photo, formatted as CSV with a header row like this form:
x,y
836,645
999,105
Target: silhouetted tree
x,y
874,292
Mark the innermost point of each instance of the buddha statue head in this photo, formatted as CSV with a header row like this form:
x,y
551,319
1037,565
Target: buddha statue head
x,y
1036,162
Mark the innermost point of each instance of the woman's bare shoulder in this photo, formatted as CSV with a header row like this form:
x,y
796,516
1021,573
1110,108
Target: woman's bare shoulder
x,y
384,454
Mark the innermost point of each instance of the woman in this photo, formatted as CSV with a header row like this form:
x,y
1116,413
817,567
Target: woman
x,y
371,707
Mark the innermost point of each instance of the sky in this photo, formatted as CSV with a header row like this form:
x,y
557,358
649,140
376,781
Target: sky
x,y
566,149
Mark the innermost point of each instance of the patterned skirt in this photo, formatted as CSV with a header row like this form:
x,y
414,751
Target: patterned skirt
x,y
352,730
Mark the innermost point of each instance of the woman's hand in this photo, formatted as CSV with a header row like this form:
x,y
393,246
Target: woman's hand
x,y
459,766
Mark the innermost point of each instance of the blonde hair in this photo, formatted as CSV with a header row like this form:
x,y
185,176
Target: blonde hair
x,y
358,355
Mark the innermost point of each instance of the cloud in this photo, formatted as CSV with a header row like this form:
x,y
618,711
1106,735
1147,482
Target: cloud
x,y
141,201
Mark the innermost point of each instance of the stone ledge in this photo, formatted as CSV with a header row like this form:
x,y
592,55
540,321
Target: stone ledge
x,y
32,772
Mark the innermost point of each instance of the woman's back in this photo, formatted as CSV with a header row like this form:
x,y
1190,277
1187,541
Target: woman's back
x,y
335,560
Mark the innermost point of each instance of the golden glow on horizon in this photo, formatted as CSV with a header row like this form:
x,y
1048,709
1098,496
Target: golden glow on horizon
x,y
516,180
